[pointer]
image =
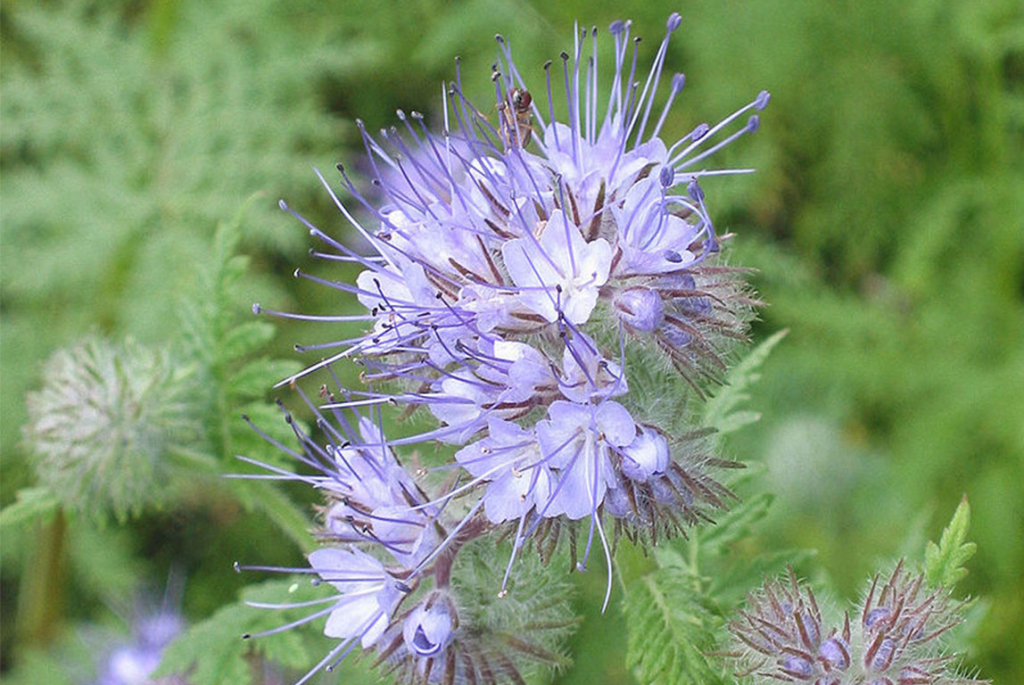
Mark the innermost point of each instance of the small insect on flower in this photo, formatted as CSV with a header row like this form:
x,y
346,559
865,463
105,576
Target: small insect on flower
x,y
516,118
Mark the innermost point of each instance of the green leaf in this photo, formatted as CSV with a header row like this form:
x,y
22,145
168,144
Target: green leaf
x,y
943,563
270,419
288,516
256,377
245,339
721,410
32,503
736,523
669,630
213,651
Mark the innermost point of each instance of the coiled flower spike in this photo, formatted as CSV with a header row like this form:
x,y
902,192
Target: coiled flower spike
x,y
521,271
782,638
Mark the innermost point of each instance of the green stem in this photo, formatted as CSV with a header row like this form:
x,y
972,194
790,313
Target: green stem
x,y
41,596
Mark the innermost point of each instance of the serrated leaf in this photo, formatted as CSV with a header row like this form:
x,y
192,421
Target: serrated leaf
x,y
735,523
669,631
943,563
720,410
32,503
213,652
256,377
245,339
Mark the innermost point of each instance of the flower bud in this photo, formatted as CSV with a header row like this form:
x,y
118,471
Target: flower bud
x,y
646,456
639,308
428,630
103,423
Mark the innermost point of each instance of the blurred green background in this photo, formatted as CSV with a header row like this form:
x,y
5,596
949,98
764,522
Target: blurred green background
x,y
886,221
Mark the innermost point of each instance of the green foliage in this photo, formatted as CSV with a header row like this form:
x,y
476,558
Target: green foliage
x,y
943,563
675,610
33,503
213,651
127,136
235,383
530,623
721,411
669,630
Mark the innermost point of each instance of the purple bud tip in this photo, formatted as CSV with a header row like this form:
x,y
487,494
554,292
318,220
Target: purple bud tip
x,y
256,309
797,667
695,191
699,132
283,205
673,256
753,123
762,100
674,20
835,653
667,176
616,27
678,81
875,615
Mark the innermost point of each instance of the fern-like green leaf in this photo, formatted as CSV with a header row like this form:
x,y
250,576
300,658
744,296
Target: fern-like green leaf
x,y
32,504
736,523
670,631
236,384
721,410
213,652
246,338
943,563
253,379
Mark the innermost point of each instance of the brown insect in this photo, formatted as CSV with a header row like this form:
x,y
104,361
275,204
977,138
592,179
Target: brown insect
x,y
516,119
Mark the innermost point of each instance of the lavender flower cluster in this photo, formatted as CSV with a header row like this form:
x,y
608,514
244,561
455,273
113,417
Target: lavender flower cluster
x,y
524,273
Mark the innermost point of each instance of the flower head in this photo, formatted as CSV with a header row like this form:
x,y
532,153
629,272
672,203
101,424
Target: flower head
x,y
784,638
513,263
103,425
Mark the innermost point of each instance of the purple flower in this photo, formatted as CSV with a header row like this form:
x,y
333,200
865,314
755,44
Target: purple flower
x,y
646,456
558,274
512,262
509,459
132,662
576,442
367,594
